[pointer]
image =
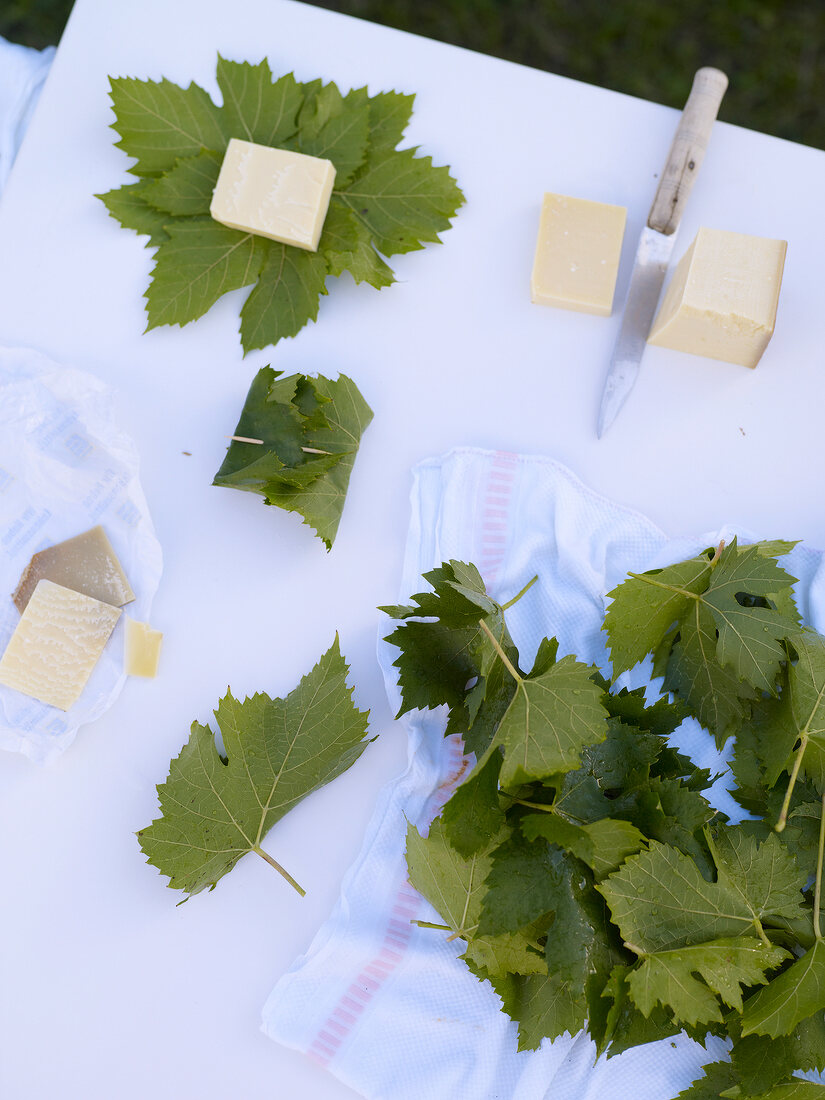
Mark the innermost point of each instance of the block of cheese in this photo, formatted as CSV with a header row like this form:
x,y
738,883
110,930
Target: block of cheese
x,y
142,649
273,192
87,563
722,299
577,254
56,644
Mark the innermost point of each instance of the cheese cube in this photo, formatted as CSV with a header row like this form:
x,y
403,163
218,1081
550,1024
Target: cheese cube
x,y
87,563
142,649
722,299
273,192
56,644
577,254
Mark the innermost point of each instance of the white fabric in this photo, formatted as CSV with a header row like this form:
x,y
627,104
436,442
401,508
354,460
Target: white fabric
x,y
23,72
385,1004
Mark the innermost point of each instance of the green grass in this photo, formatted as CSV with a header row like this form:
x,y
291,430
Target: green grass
x,y
772,50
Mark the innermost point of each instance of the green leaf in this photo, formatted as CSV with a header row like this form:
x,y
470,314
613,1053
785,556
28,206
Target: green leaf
x,y
286,296
603,845
716,694
718,1076
473,812
454,886
201,261
668,977
215,809
129,206
660,901
806,687
187,188
765,876
798,992
793,1090
762,1062
645,606
551,719
403,200
390,114
544,1007
254,107
346,245
295,418
749,636
383,201
160,122
343,135
524,882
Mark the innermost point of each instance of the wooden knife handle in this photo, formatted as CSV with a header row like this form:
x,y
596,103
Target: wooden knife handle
x,y
688,150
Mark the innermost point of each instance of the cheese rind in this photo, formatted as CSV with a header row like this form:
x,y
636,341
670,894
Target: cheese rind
x,y
577,254
723,297
142,649
274,193
57,644
87,563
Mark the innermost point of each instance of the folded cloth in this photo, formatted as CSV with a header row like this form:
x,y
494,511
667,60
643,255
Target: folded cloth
x,y
386,1005
23,72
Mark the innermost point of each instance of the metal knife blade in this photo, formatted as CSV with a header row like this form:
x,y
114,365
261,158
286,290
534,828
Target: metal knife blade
x,y
658,237
652,258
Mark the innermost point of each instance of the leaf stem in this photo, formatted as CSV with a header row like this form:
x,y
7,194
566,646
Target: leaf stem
x,y
760,931
497,647
797,764
429,924
274,863
818,887
518,595
718,554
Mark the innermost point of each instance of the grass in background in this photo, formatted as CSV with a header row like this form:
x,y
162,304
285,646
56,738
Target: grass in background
x,y
772,50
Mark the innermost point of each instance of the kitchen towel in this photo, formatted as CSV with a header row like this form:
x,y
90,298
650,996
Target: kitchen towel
x,y
386,1005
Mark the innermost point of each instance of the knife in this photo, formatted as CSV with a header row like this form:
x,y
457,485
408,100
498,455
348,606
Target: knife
x,y
658,237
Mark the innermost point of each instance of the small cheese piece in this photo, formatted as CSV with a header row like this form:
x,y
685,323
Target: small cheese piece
x,y
56,644
142,650
273,192
87,563
722,299
577,254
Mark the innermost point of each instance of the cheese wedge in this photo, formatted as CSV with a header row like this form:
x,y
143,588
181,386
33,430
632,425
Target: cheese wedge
x,y
274,193
87,563
722,299
57,644
142,649
577,254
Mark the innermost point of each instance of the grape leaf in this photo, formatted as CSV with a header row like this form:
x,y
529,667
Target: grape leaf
x,y
717,1077
660,901
762,1062
385,200
797,1089
524,881
668,977
554,714
199,262
310,430
765,876
603,845
806,689
455,887
543,1005
798,992
646,605
473,812
749,636
215,809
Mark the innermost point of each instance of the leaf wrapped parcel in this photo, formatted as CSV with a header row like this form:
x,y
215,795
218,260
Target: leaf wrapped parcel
x,y
385,201
216,808
295,445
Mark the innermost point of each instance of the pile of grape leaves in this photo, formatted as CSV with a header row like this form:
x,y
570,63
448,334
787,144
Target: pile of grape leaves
x,y
295,444
385,201
580,864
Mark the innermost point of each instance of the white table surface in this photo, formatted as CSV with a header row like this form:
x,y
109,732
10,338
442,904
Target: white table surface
x,y
108,989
